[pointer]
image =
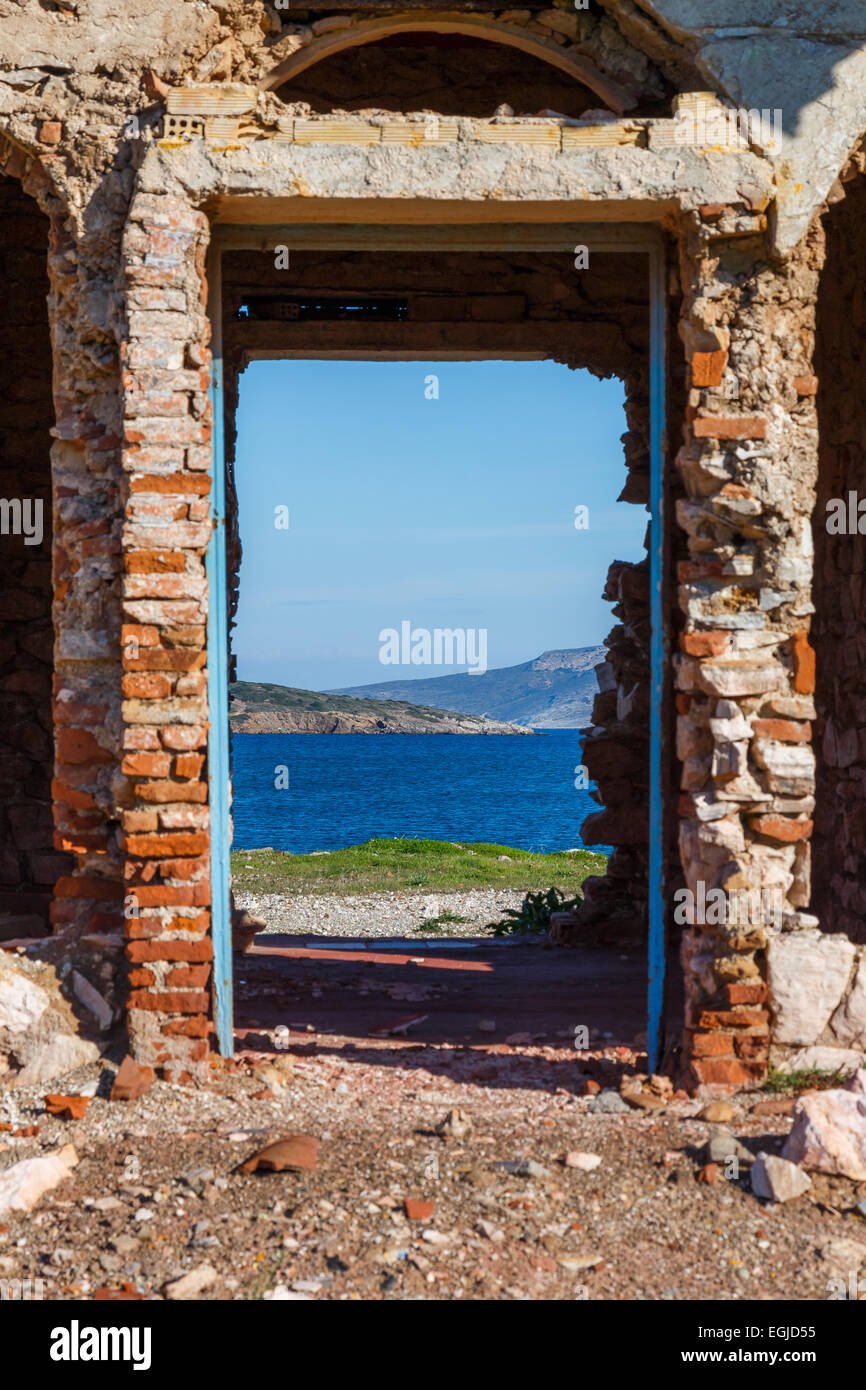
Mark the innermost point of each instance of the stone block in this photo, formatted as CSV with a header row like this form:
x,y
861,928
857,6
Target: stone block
x,y
807,974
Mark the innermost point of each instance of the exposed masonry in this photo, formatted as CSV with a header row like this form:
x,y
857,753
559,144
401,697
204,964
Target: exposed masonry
x,y
128,184
746,672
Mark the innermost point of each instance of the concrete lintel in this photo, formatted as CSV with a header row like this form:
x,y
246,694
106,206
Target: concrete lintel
x,y
268,183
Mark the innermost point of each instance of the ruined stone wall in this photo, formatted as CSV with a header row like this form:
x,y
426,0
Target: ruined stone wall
x,y
79,268
839,625
746,670
29,865
131,447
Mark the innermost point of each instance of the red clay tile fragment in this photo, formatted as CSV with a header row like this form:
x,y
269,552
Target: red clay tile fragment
x,y
295,1151
708,1173
67,1107
416,1210
126,1292
132,1080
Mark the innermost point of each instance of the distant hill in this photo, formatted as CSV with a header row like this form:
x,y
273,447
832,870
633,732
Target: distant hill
x,y
555,691
262,708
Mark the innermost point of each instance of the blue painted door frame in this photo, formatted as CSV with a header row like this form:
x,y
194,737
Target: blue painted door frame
x,y
218,686
631,238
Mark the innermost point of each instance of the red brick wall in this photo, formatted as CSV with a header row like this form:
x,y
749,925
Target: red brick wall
x,y
166,462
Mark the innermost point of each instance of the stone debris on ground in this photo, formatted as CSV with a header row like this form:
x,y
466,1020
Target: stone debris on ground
x,y
24,1184
430,1180
190,1285
778,1180
294,1152
587,1163
608,1103
39,1031
132,1080
455,1125
829,1132
68,1107
722,1146
719,1112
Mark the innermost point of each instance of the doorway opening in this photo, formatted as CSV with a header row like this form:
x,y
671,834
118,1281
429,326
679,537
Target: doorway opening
x,y
470,305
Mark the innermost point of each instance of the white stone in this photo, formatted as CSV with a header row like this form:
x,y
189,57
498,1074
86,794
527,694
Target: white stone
x,y
92,1001
806,975
829,1133
845,1254
790,767
849,1020
778,1180
22,1185
192,1284
65,1052
22,1003
587,1163
739,677
732,727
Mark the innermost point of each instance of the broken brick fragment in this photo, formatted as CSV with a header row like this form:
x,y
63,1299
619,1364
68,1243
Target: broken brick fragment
x,y
295,1151
804,664
132,1080
784,829
730,427
67,1107
418,1210
708,368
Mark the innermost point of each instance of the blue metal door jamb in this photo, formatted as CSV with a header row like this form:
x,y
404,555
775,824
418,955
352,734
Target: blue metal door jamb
x,y
218,701
658,659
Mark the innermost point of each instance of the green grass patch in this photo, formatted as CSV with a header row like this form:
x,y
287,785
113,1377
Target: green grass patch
x,y
410,866
808,1079
445,919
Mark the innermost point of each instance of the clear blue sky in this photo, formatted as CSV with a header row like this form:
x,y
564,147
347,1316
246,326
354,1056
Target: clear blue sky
x,y
456,512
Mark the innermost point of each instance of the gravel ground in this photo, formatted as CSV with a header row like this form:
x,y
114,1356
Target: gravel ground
x,y
157,1194
379,914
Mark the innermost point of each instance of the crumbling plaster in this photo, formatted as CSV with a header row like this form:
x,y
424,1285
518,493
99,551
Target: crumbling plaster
x,y
85,65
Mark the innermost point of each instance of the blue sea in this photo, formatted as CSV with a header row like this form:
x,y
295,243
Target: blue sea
x,y
346,788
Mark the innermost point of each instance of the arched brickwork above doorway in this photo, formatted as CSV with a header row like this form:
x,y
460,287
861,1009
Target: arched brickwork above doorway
x,y
536,43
